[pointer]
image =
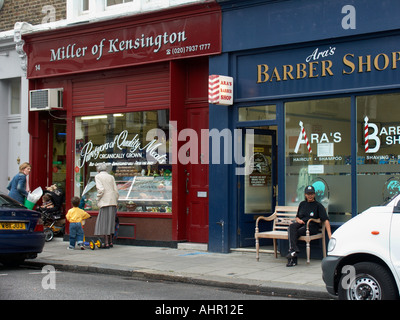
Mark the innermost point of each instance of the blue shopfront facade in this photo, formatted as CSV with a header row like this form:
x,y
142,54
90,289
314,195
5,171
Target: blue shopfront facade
x,y
316,101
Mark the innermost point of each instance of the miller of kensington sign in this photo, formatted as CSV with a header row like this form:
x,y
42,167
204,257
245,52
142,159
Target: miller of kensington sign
x,y
81,50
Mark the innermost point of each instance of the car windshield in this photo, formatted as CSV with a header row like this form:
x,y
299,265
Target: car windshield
x,y
6,201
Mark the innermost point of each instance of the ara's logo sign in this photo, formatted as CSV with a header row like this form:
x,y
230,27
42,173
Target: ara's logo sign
x,y
374,136
315,138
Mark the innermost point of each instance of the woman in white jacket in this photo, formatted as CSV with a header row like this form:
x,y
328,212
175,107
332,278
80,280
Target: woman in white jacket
x,y
107,197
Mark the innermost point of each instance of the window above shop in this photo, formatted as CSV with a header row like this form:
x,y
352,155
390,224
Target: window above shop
x,y
85,6
90,10
116,2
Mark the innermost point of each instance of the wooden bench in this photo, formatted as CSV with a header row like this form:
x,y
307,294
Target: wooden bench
x,y
282,218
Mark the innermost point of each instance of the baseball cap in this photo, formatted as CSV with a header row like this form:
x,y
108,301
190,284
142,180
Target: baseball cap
x,y
309,189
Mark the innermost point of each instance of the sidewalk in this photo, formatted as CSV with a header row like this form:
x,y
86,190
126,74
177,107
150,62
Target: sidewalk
x,y
237,270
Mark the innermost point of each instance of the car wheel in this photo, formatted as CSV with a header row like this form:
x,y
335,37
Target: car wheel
x,y
370,281
48,234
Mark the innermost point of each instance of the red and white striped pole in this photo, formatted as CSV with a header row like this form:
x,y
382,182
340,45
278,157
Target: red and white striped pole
x,y
213,89
366,140
303,132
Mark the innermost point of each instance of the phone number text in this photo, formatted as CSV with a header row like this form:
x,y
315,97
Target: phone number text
x,y
188,49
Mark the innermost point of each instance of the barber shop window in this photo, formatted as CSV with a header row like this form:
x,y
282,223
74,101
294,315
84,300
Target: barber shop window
x,y
257,113
378,149
317,152
136,147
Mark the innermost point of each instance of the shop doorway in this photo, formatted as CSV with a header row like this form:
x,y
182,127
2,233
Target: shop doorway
x,y
51,152
196,177
257,191
58,154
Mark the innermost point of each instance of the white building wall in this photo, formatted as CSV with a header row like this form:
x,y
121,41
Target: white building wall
x,y
10,69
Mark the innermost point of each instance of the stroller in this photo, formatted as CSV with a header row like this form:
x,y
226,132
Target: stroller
x,y
53,218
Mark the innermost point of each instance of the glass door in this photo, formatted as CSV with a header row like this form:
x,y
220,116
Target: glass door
x,y
258,188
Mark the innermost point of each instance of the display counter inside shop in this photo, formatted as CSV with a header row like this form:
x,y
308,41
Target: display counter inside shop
x,y
139,193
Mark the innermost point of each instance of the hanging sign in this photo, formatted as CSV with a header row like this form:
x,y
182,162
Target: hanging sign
x,y
220,90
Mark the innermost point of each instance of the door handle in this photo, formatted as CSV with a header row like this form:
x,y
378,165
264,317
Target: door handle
x,y
187,183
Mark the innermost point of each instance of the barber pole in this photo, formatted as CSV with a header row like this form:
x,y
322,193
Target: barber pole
x,y
305,136
302,139
213,89
366,140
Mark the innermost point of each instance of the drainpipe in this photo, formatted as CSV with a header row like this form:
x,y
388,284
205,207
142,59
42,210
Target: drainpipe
x,y
221,223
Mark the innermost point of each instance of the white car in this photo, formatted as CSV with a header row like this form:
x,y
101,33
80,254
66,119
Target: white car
x,y
363,261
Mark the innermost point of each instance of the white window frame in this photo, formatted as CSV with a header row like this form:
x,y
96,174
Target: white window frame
x,y
98,9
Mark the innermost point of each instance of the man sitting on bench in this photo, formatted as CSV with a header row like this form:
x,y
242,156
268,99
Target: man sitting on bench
x,y
309,208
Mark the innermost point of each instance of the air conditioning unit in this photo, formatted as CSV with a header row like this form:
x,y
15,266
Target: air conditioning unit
x,y
45,99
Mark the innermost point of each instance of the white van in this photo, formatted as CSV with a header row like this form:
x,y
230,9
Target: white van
x,y
363,261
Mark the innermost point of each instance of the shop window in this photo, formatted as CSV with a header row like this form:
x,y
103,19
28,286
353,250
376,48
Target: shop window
x,y
136,146
267,112
378,149
317,151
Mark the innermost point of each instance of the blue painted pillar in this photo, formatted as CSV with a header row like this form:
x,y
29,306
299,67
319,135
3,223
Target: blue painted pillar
x,y
219,174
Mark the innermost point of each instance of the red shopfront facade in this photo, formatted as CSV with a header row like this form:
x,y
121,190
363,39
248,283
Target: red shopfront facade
x,y
130,88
